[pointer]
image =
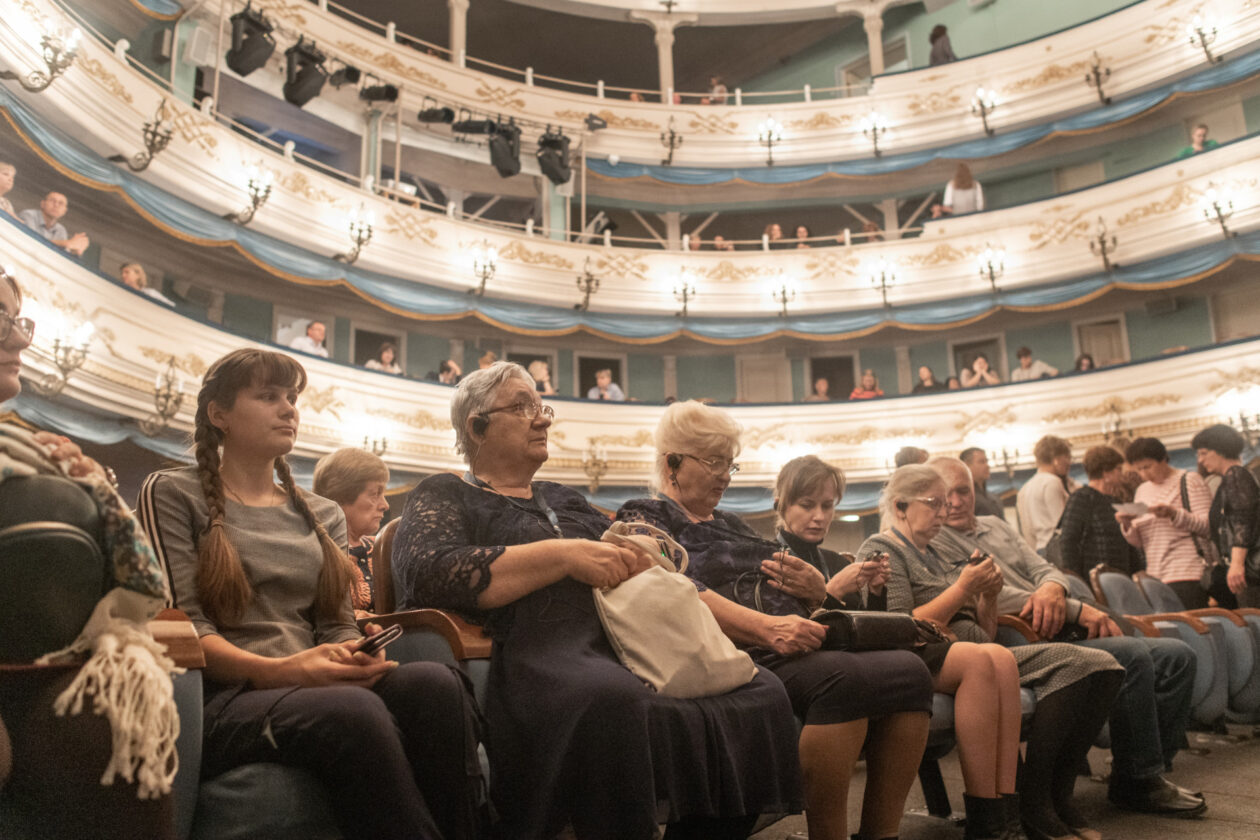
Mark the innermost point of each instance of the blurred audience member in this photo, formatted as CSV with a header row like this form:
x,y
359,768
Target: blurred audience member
x,y
910,455
134,276
356,480
942,51
963,194
1041,500
487,359
448,373
927,382
773,236
822,391
979,374
1030,368
977,461
605,388
46,222
1234,518
717,91
720,243
695,242
8,173
802,234
1199,142
868,388
541,371
953,384
1085,362
386,361
635,96
872,232
313,341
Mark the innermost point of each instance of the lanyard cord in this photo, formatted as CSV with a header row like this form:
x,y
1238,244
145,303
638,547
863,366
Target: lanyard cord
x,y
539,503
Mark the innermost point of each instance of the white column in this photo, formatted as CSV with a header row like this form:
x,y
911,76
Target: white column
x,y
874,24
459,28
663,24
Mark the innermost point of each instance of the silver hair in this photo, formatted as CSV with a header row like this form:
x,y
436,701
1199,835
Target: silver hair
x,y
906,484
693,428
475,394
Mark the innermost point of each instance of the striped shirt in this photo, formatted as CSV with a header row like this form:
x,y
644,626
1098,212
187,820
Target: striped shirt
x,y
1170,552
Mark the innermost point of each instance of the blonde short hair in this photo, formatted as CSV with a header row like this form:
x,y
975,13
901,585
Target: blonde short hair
x,y
693,428
344,474
904,485
142,278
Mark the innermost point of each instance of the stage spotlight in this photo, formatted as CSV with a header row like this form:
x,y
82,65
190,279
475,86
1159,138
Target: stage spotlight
x,y
553,156
345,75
304,73
379,93
252,43
431,113
595,123
467,125
505,148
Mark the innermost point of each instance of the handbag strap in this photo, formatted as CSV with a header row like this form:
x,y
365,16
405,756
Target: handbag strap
x,y
1185,493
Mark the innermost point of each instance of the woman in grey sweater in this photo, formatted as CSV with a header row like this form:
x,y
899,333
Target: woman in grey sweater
x,y
260,569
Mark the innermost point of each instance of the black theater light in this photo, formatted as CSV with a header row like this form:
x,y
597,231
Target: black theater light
x,y
379,93
505,148
553,156
594,122
345,75
431,113
304,73
252,43
466,124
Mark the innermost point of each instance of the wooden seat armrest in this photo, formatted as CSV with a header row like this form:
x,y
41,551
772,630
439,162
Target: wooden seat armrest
x,y
467,640
1247,611
1144,625
173,629
1020,626
1195,624
1228,615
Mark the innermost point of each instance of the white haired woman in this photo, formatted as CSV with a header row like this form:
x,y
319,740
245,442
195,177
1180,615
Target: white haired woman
x,y
880,698
574,736
356,480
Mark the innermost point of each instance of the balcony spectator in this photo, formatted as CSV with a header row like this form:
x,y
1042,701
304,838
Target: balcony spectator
x,y
1030,368
386,360
448,373
872,232
695,242
1084,362
134,277
927,382
635,96
46,222
717,91
313,341
8,173
868,389
953,384
963,194
1199,142
487,359
721,243
541,371
605,388
822,391
773,236
977,461
942,51
979,374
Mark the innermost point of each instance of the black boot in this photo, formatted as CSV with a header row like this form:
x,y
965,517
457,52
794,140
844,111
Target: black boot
x,y
985,818
1012,827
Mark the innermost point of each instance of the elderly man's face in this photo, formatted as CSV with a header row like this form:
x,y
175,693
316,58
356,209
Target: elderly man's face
x,y
54,206
510,434
960,497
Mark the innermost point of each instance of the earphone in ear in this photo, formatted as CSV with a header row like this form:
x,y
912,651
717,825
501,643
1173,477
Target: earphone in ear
x,y
674,461
480,424
901,506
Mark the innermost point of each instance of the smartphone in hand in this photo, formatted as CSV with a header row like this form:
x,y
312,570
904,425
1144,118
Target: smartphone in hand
x,y
375,643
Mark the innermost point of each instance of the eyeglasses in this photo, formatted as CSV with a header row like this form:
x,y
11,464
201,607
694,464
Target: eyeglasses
x,y
934,502
525,408
717,466
25,328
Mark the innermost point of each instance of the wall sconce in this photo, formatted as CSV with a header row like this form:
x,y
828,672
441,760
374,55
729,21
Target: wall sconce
x,y
258,187
587,284
1218,207
1007,459
485,261
595,465
873,126
770,134
157,134
883,276
360,234
69,353
168,395
1096,76
683,293
1203,34
1238,406
1104,246
58,49
1113,425
376,445
992,264
783,296
983,104
671,140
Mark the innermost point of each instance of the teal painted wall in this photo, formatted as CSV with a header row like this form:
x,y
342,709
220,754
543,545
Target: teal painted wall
x,y
1155,147
1251,114
248,317
1051,343
706,376
798,380
645,378
425,353
1150,335
1021,189
342,346
563,379
934,354
882,360
473,351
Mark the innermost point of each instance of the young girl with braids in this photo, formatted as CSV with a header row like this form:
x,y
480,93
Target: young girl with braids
x,y
259,568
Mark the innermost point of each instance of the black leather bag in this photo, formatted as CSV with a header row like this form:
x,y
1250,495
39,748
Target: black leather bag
x,y
861,630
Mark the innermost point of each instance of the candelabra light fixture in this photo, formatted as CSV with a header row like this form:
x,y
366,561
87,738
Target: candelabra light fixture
x,y
1113,427
1203,34
595,465
770,134
683,293
168,395
485,262
360,230
58,48
1217,207
883,276
1240,407
1096,76
587,284
992,264
1104,245
985,102
69,352
376,445
157,135
783,295
1008,459
671,140
874,125
258,187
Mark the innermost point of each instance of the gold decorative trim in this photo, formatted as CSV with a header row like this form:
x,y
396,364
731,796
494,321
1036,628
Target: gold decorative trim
x,y
1110,406
1234,379
867,434
935,103
638,440
189,363
287,9
418,419
828,265
821,121
754,437
613,120
1181,196
296,182
622,264
1049,75
1173,29
942,254
1059,230
323,400
411,226
727,272
499,96
985,420
388,61
711,124
108,80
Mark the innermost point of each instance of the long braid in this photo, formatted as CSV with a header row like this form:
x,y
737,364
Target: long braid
x,y
222,586
335,577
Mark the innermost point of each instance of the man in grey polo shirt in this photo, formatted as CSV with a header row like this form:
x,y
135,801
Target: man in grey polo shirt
x,y
46,221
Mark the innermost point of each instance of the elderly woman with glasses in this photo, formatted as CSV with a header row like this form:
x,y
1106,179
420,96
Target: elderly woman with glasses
x,y
575,737
760,594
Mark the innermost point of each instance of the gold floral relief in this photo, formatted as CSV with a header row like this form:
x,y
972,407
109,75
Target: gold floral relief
x,y
321,400
499,97
108,80
418,419
829,265
934,103
388,61
613,120
519,253
727,272
711,124
1049,75
191,127
985,420
822,121
638,440
1110,406
189,363
942,254
755,437
287,9
1182,195
622,265
868,434
410,225
1234,379
1173,29
296,182
1059,230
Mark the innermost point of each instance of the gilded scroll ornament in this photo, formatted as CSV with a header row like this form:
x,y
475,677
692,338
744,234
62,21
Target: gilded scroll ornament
x,y
868,434
1049,75
410,226
1173,29
499,97
935,103
985,420
519,253
108,80
388,61
1111,406
822,121
613,120
295,181
711,124
942,254
1182,195
321,400
828,265
727,272
1244,376
638,440
189,363
622,265
756,437
1059,230
285,10
418,419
